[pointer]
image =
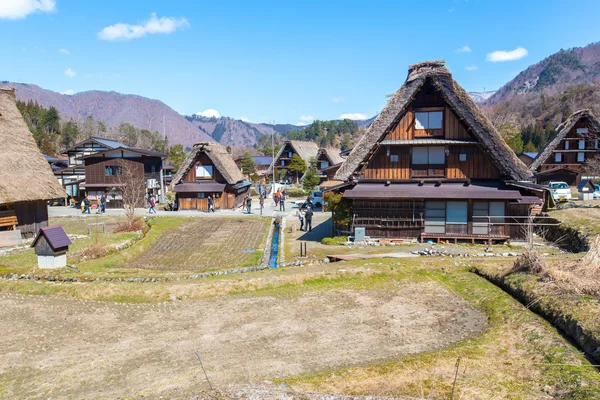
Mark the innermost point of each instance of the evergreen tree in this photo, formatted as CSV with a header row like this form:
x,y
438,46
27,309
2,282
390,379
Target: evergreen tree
x,y
176,156
529,148
69,134
516,143
297,166
128,134
247,164
311,178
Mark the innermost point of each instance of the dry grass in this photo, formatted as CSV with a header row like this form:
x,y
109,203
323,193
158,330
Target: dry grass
x,y
134,225
530,261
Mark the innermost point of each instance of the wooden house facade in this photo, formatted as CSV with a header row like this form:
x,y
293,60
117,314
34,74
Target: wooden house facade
x,y
73,174
26,179
127,174
209,170
304,149
328,162
564,158
432,166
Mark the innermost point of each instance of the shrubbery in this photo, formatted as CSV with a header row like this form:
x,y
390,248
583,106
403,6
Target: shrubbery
x,y
333,241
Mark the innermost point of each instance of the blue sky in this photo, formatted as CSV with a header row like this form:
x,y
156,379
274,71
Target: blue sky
x,y
283,61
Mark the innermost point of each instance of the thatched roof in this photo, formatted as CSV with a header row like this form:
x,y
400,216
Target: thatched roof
x,y
25,175
220,158
562,130
457,99
306,150
333,155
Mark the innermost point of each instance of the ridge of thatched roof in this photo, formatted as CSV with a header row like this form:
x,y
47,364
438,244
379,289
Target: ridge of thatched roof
x,y
333,155
218,154
25,174
561,132
457,99
305,149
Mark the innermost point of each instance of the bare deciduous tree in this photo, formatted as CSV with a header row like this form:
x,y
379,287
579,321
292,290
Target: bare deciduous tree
x,y
131,185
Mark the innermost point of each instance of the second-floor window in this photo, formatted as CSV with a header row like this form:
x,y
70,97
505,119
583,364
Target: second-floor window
x,y
204,171
428,161
112,170
557,157
429,123
324,164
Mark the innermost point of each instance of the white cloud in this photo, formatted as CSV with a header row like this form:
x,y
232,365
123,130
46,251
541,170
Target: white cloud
x,y
471,67
502,55
209,113
68,92
464,49
163,25
16,9
64,51
245,119
305,120
353,116
338,99
70,73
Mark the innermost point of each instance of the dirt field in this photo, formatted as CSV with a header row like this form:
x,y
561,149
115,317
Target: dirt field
x,y
206,244
58,348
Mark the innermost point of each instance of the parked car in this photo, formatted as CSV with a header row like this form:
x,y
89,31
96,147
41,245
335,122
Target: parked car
x,y
317,200
560,191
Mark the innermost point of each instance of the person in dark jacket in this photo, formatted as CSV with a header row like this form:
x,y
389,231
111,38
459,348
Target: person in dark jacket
x,y
86,205
211,204
308,219
249,204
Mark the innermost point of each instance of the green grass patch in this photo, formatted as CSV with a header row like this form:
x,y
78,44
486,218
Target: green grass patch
x,y
333,241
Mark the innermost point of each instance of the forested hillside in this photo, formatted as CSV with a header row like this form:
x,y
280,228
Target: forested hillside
x,y
528,108
54,134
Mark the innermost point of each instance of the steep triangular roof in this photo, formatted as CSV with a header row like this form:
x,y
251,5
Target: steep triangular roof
x,y
457,99
333,155
25,175
305,149
220,158
561,132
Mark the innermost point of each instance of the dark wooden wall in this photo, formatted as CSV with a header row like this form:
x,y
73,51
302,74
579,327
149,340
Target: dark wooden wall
x,y
31,216
95,169
203,159
477,166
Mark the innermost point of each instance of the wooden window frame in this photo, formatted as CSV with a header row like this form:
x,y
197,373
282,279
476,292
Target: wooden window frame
x,y
429,132
428,170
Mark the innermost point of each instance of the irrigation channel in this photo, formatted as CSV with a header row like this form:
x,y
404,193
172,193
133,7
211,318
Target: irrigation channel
x,y
275,243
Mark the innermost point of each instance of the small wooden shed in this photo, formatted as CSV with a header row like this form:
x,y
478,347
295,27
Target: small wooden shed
x,y
586,189
51,245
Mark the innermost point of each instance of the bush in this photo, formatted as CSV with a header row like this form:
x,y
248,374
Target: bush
x,y
136,224
530,261
333,241
293,192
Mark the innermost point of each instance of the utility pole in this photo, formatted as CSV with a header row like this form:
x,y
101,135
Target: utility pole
x,y
273,147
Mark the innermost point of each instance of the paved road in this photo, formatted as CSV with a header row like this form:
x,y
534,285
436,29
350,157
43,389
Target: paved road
x,y
268,211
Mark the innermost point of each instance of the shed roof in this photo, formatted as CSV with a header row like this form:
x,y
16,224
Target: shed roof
x,y
333,155
457,99
22,161
55,237
562,130
220,158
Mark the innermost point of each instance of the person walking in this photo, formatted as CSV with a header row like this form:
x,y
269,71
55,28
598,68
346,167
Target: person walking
x,y
151,210
282,198
261,200
276,198
98,206
86,205
308,217
301,219
103,203
309,200
211,204
249,204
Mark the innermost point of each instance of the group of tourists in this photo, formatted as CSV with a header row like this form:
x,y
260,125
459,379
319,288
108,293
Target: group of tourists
x,y
305,218
279,198
100,204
